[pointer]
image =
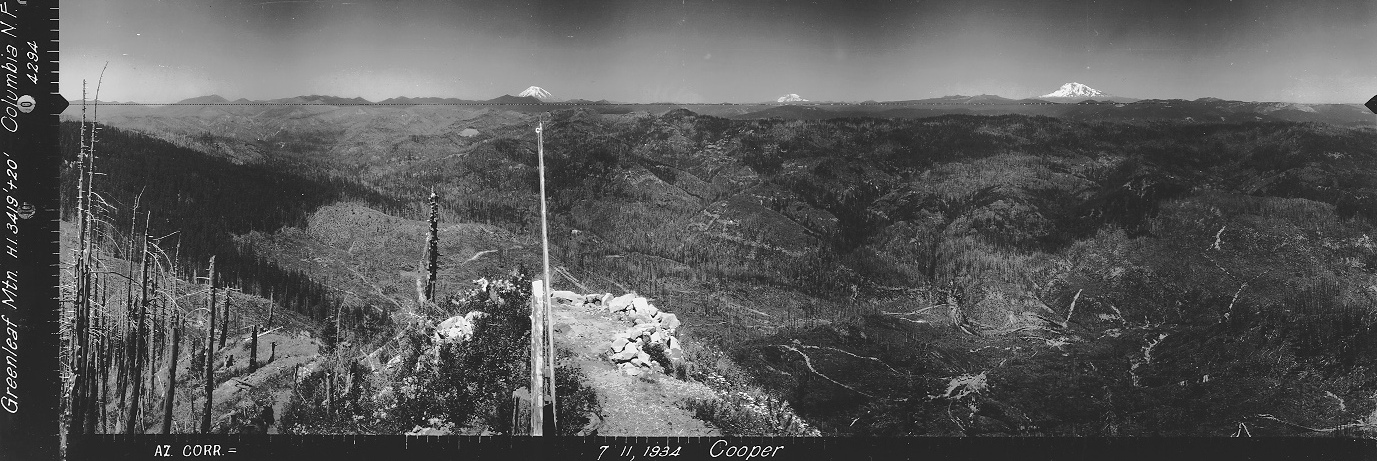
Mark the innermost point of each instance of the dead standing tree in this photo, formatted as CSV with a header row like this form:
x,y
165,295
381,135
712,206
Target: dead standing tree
x,y
433,247
133,420
171,377
210,353
86,324
224,321
253,349
425,287
79,405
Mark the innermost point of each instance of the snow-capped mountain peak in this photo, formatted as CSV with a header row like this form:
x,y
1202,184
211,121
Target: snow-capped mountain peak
x,y
791,97
536,92
1074,90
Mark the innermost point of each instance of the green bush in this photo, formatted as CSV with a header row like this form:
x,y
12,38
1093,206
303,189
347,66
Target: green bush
x,y
469,384
575,400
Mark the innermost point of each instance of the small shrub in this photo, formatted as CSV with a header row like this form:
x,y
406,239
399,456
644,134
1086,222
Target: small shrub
x,y
742,413
576,401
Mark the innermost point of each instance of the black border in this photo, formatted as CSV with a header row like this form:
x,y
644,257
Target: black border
x,y
29,263
31,433
383,447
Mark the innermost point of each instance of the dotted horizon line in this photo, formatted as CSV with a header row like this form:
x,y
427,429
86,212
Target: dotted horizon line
x,y
78,102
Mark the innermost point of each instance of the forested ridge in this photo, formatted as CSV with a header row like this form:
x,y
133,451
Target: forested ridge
x,y
1211,246
1016,275
197,203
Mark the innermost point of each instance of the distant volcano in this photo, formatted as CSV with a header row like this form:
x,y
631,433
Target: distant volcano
x,y
1074,90
538,93
1077,92
791,97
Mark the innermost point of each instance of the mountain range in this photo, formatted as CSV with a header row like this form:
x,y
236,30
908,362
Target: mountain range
x,y
1072,92
1073,100
1062,250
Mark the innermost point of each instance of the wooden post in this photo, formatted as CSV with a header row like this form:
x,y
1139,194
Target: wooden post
x,y
171,376
537,363
548,354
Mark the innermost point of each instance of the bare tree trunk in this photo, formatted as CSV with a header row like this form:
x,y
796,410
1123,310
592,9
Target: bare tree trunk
x,y
95,400
122,380
177,254
339,335
210,354
433,247
76,403
253,350
88,255
110,324
125,351
106,365
159,320
330,391
224,323
171,378
134,419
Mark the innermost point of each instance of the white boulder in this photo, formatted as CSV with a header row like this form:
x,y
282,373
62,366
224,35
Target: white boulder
x,y
669,321
620,303
626,354
458,328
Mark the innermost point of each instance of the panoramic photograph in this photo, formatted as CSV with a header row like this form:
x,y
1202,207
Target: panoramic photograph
x,y
1070,218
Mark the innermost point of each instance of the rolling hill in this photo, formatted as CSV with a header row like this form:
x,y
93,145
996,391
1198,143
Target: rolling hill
x,y
1055,275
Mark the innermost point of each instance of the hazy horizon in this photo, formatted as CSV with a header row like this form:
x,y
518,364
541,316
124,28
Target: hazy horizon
x,y
720,52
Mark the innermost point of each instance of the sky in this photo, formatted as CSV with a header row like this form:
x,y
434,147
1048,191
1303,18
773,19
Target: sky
x,y
703,51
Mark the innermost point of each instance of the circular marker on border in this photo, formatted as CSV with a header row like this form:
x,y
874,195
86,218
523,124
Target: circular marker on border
x,y
26,103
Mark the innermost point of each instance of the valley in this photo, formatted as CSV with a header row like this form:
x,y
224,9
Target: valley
x,y
952,268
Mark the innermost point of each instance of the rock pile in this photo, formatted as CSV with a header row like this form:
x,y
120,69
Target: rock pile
x,y
454,330
649,344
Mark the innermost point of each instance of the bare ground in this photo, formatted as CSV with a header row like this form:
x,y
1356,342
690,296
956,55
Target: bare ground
x,y
645,405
